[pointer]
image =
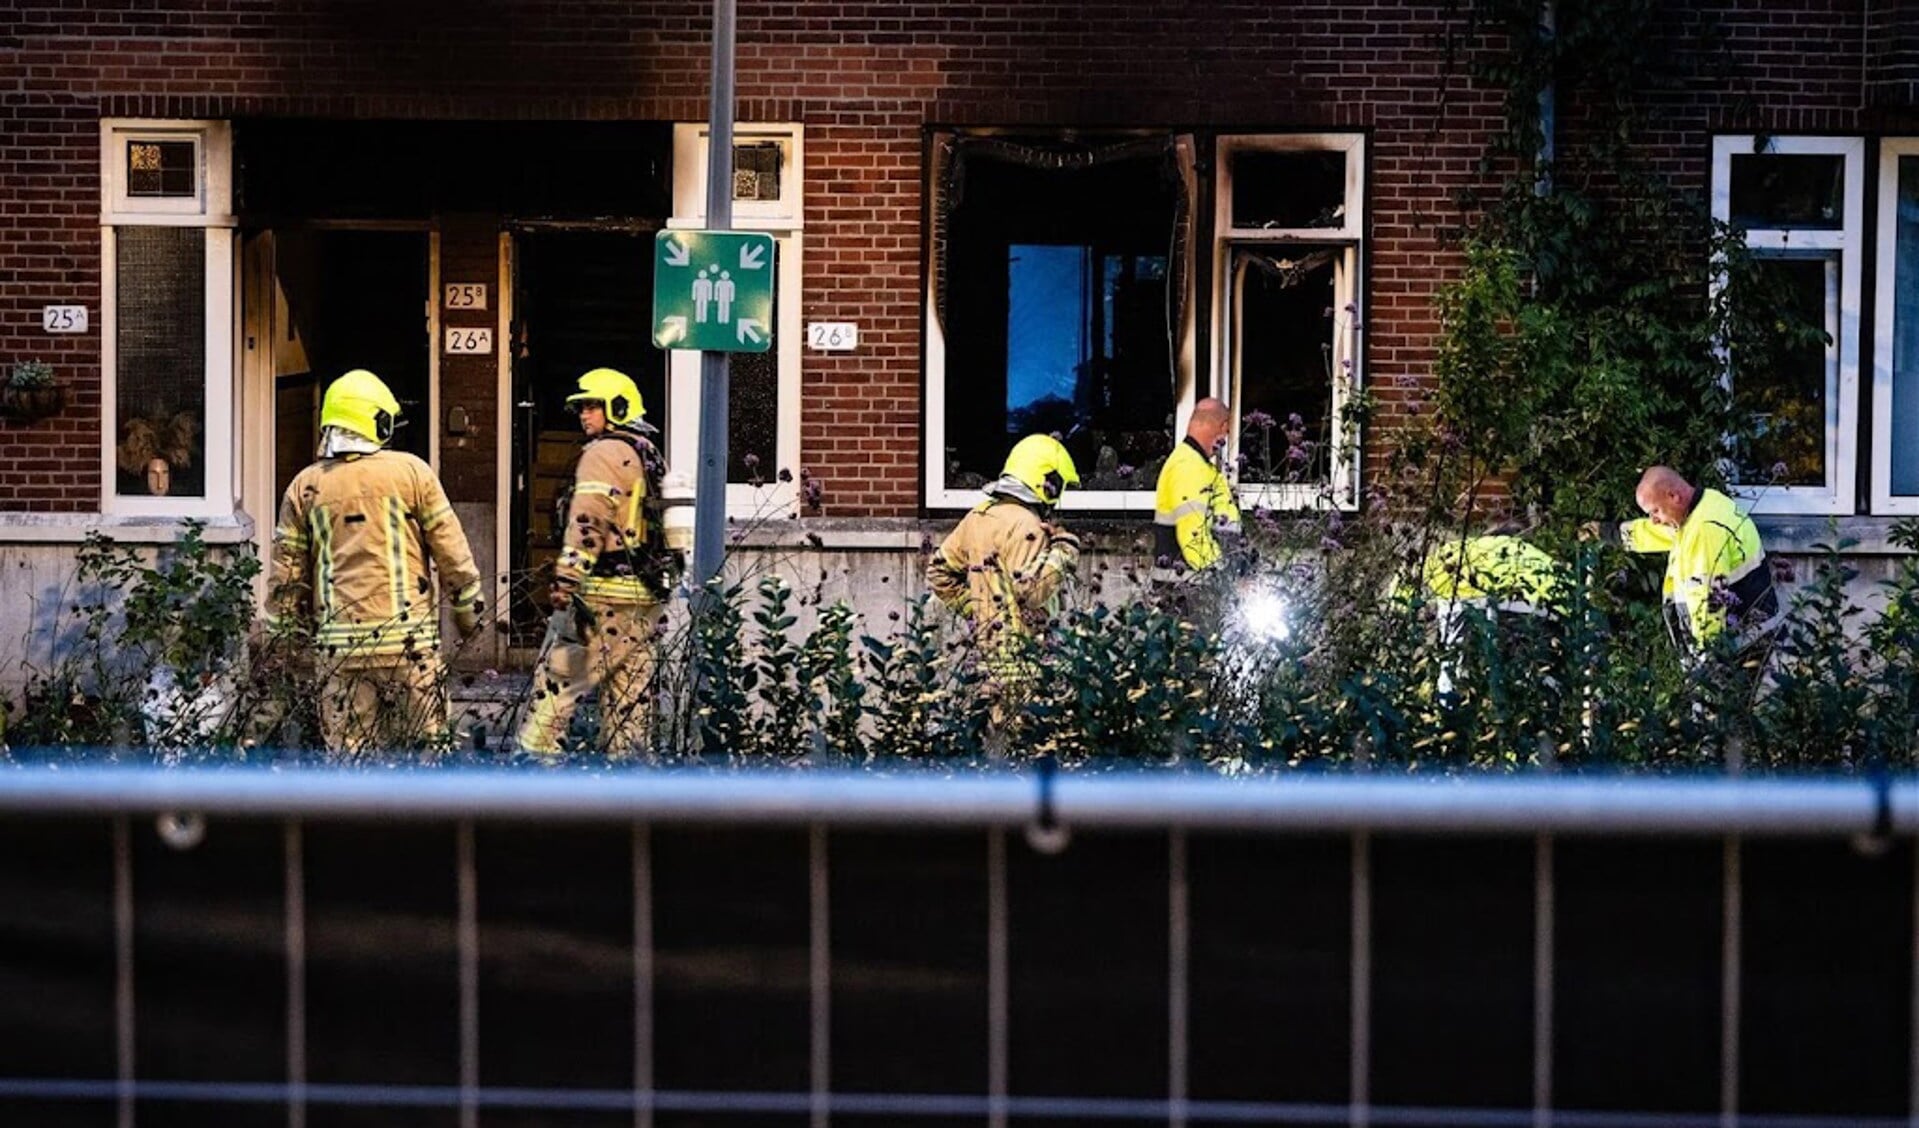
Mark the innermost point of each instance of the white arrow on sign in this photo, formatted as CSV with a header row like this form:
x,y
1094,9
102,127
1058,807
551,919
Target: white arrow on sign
x,y
749,330
676,254
750,256
671,329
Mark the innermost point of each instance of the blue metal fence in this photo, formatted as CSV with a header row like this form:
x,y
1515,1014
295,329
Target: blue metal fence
x,y
577,948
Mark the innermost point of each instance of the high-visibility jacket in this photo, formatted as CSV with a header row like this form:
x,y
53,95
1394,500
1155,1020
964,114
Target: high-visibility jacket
x,y
609,545
1001,566
1193,497
350,554
1500,573
1716,549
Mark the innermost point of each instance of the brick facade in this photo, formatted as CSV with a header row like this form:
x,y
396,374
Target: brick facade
x,y
865,79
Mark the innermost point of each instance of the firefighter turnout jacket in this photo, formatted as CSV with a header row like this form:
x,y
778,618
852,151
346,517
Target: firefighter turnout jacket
x,y
611,549
1193,497
350,557
1002,565
1714,564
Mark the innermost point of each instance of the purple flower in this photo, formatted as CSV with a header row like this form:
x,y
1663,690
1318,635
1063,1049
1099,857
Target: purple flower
x,y
1124,470
1779,471
751,460
785,474
1260,420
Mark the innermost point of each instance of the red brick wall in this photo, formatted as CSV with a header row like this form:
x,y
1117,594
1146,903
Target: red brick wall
x,y
865,78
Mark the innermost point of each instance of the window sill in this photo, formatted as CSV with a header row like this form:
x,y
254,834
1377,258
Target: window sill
x,y
72,528
1781,533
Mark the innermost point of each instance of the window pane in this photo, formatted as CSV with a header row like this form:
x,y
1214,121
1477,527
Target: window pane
x,y
753,415
164,169
1781,396
1905,335
160,280
1058,317
756,171
1284,345
1771,191
1288,189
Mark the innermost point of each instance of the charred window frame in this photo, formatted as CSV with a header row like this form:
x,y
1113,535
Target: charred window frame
x,y
1799,202
1288,292
168,318
1059,299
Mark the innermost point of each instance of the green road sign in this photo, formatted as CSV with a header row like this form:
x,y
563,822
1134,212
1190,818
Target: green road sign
x,y
713,290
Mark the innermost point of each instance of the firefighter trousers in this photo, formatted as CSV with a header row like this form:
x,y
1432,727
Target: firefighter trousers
x,y
370,707
612,653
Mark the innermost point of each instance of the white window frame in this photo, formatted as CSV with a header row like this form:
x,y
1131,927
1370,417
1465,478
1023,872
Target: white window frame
x,y
1885,309
211,210
784,220
1837,495
1341,488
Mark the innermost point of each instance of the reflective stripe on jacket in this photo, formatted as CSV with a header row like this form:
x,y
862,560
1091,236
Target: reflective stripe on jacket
x,y
350,555
1717,548
1001,566
1193,497
606,523
1502,573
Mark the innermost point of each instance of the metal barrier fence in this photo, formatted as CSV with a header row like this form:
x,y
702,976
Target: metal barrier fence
x,y
471,949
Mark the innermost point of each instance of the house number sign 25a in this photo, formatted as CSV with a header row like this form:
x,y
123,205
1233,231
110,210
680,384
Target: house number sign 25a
x,y
63,318
471,341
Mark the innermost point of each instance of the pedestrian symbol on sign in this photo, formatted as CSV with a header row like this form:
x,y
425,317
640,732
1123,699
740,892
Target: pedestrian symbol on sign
x,y
713,290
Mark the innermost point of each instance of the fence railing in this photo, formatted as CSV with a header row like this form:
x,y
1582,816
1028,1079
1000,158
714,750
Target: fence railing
x,y
661,948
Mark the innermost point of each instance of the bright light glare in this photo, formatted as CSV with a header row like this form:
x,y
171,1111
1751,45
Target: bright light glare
x,y
1263,616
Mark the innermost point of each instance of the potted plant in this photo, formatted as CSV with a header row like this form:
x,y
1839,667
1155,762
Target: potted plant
x,y
30,392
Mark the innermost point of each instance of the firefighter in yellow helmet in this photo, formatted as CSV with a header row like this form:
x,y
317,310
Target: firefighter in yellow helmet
x,y
360,533
1194,500
1003,565
611,582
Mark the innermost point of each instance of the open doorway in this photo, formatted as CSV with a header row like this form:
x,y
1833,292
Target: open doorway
x,y
581,300
347,299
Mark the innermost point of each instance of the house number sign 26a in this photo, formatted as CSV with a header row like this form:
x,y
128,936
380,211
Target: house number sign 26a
x,y
459,340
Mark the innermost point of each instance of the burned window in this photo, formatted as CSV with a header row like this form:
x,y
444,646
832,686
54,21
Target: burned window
x,y
1288,291
1060,308
1288,188
160,361
1285,307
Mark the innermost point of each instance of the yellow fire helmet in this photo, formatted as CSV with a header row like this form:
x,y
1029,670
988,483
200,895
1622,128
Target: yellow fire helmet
x,y
361,402
616,390
1043,465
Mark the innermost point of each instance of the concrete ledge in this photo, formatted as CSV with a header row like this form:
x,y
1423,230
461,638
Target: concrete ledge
x,y
72,528
1803,535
